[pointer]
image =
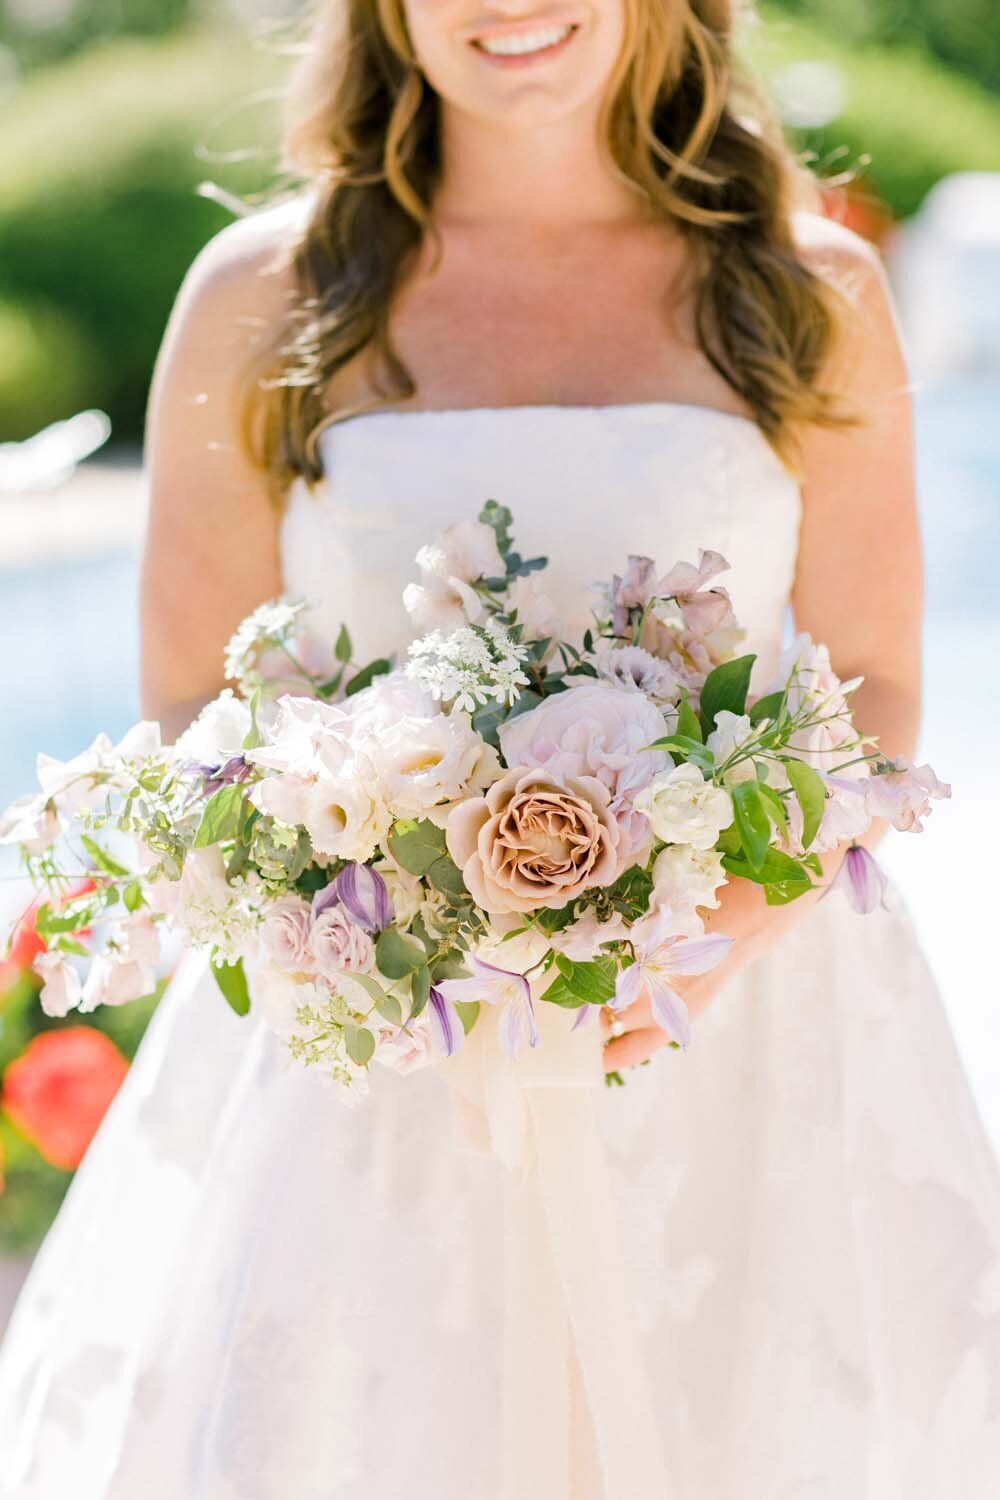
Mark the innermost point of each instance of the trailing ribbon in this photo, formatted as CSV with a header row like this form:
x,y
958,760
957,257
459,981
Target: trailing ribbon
x,y
568,1315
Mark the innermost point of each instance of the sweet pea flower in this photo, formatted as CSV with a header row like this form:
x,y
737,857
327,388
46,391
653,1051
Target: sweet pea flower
x,y
730,732
61,988
494,986
861,879
114,980
631,590
903,794
535,610
466,550
32,821
661,956
684,579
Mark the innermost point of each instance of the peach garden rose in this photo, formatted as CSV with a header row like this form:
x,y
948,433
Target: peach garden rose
x,y
536,839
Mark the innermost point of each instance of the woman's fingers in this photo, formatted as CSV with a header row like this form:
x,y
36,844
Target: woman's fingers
x,y
633,1047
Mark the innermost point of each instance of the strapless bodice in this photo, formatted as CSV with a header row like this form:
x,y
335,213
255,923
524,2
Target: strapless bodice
x,y
587,485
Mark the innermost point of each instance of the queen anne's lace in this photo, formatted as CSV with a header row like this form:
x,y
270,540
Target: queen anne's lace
x,y
469,667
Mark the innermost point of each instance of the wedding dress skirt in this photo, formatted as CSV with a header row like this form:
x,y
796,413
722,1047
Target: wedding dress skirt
x,y
255,1293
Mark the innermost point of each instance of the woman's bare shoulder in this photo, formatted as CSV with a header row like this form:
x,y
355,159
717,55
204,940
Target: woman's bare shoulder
x,y
833,251
245,267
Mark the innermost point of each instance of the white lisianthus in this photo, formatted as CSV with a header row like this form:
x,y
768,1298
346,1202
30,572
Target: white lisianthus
x,y
685,877
684,808
218,731
345,816
423,762
730,732
304,734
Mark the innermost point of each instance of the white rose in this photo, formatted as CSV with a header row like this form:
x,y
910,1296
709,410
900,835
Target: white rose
x,y
729,734
684,808
61,988
685,877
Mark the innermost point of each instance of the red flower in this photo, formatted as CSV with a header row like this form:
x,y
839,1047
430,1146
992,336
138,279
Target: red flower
x,y
56,1093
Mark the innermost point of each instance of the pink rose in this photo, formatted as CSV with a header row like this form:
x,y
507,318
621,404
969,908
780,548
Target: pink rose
x,y
535,840
599,730
339,946
284,933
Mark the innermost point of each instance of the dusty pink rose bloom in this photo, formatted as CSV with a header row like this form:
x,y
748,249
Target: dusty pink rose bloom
x,y
337,945
903,795
284,933
535,839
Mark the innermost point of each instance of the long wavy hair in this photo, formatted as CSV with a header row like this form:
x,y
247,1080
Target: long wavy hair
x,y
361,123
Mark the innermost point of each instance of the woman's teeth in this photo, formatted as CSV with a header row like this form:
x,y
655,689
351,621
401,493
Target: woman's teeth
x,y
526,41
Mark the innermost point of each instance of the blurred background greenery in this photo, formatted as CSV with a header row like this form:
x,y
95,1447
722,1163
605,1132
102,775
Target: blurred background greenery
x,y
119,109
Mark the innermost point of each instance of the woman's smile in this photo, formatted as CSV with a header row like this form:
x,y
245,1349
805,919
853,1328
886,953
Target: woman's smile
x,y
519,44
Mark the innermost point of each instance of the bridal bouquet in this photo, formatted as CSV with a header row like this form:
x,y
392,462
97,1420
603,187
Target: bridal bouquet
x,y
504,817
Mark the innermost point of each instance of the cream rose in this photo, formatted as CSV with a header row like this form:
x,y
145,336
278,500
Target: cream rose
x,y
684,808
535,840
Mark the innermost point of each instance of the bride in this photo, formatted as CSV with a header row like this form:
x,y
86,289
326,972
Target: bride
x,y
545,253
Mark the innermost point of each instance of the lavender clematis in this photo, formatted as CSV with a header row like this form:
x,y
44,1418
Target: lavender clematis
x,y
493,986
446,1027
861,879
362,893
661,956
230,772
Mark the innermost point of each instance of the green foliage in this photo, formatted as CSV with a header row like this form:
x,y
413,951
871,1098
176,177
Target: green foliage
x,y
232,981
100,217
915,119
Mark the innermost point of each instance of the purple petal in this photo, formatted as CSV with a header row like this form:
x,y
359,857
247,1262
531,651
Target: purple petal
x,y
861,879
670,1011
585,1015
446,1027
364,895
628,987
698,955
324,898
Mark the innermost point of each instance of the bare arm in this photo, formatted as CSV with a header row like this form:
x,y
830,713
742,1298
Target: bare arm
x,y
211,547
858,588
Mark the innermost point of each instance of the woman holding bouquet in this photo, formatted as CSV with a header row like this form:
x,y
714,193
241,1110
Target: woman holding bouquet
x,y
558,255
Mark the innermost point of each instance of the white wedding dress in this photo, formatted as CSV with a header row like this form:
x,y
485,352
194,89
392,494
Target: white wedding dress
x,y
253,1293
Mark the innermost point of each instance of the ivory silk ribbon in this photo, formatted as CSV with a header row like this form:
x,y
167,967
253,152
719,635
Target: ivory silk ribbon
x,y
567,1300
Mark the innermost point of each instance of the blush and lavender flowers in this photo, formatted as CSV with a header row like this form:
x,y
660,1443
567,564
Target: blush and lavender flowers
x,y
370,852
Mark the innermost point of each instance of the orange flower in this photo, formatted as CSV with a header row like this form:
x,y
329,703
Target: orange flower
x,y
57,1091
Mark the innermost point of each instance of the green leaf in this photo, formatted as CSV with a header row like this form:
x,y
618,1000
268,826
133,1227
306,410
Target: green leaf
x,y
559,993
808,787
767,707
445,876
752,822
687,748
725,688
468,1013
397,955
420,988
132,896
220,818
523,703
367,675
102,859
774,807
777,868
591,983
486,721
232,981
253,737
387,1005
358,1043
343,647
417,844
70,918
688,723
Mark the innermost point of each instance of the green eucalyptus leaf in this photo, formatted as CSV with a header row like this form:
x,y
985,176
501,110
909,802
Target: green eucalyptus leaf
x,y
420,988
359,1044
417,844
387,1005
445,876
397,955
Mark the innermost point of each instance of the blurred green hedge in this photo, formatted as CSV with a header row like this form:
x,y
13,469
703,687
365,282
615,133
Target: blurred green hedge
x,y
99,214
916,119
100,218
